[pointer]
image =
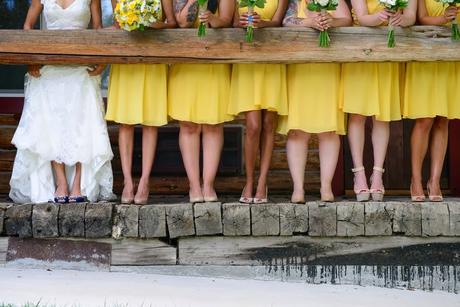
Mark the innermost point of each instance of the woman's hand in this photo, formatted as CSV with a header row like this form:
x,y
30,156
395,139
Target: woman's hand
x,y
384,15
34,70
396,18
324,21
206,17
244,19
96,70
451,13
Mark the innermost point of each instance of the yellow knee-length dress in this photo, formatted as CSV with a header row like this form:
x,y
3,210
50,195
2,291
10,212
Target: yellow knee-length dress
x,y
138,94
259,86
199,93
372,89
313,95
432,88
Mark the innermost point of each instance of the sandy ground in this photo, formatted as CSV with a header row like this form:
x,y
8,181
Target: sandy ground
x,y
76,288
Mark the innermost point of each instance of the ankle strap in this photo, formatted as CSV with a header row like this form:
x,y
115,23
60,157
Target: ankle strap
x,y
379,169
357,169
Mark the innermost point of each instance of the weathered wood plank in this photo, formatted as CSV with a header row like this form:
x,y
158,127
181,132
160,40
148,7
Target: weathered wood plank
x,y
142,252
18,221
152,222
301,250
273,45
3,249
98,220
208,218
236,219
180,221
126,222
45,220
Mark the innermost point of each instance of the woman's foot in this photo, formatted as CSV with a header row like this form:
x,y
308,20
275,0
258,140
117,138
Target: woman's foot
x,y
142,194
377,189
246,195
434,191
61,195
195,195
209,194
261,194
360,186
127,196
416,191
298,197
326,194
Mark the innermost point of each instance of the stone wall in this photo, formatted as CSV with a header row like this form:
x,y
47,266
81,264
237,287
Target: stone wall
x,y
314,219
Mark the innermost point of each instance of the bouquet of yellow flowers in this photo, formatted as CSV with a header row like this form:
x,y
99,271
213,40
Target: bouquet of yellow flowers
x,y
137,14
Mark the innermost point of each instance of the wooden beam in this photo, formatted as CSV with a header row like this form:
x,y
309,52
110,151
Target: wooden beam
x,y
272,45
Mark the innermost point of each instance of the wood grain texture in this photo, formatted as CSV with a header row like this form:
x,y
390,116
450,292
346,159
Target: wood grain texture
x,y
271,45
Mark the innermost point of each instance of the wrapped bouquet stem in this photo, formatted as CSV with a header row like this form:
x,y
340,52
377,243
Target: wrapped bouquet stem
x,y
137,14
251,4
393,6
453,24
322,6
202,8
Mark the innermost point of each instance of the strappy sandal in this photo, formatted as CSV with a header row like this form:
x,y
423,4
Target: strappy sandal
x,y
416,198
259,201
363,194
78,199
433,198
377,194
61,199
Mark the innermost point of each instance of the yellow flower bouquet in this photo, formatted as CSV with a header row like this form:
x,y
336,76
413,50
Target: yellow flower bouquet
x,y
137,14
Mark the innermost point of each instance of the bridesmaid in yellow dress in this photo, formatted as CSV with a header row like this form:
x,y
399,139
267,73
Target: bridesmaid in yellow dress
x,y
198,96
137,96
313,91
259,91
431,97
373,89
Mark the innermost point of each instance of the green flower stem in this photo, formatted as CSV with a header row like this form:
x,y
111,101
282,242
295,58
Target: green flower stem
x,y
455,31
391,35
202,29
249,37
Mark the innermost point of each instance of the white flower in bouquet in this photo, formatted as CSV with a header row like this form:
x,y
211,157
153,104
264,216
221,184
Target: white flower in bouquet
x,y
323,6
393,6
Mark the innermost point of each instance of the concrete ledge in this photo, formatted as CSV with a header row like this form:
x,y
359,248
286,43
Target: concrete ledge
x,y
314,219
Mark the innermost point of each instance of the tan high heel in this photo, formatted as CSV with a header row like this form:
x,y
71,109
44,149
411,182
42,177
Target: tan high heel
x,y
262,200
246,200
377,194
416,198
328,199
433,198
363,194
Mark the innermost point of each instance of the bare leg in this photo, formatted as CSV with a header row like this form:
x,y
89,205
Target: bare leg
x,y
297,151
419,146
125,144
380,138
213,141
329,147
62,188
251,146
438,148
76,186
189,142
149,143
356,124
266,151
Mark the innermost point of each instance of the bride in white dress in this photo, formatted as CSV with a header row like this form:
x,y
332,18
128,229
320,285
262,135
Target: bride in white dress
x,y
63,148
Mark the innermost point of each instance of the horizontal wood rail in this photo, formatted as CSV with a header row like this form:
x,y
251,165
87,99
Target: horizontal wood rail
x,y
271,45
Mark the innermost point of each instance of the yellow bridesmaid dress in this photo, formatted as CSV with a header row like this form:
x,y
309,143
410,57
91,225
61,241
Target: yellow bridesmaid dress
x,y
138,94
432,88
314,96
372,89
199,93
259,86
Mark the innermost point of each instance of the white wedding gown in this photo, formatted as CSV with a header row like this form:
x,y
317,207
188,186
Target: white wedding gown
x,y
62,120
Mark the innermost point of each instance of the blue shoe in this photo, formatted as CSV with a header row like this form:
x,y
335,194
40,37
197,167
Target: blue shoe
x,y
61,199
78,199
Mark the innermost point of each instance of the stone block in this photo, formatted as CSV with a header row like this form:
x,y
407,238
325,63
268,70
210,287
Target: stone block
x,y
208,218
454,218
152,221
435,219
322,219
265,220
180,220
350,219
18,221
45,220
98,220
293,219
126,222
236,219
378,220
407,219
72,220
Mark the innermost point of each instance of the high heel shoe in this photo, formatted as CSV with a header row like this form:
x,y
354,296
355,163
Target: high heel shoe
x,y
210,199
141,201
246,200
300,200
377,194
416,198
259,201
433,198
328,199
363,194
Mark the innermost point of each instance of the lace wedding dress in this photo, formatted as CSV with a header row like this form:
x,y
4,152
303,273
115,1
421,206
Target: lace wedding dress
x,y
63,121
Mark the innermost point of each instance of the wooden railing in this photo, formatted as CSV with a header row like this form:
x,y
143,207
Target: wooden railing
x,y
273,45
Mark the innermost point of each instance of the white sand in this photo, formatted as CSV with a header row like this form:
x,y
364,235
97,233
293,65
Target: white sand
x,y
75,288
